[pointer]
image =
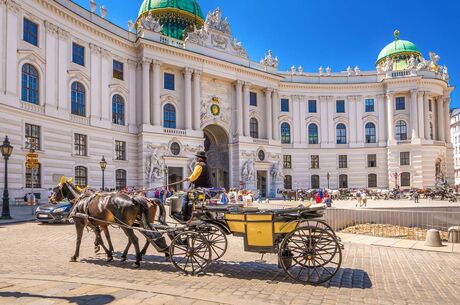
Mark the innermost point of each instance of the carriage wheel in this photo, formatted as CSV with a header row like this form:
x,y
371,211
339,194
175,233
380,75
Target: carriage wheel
x,y
190,252
319,224
310,255
216,238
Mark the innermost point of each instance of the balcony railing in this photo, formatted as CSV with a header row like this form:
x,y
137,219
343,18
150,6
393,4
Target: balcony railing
x,y
175,132
32,107
172,42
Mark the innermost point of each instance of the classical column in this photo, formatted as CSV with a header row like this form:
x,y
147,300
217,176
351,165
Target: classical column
x,y
132,115
296,118
246,88
146,91
156,93
106,71
390,115
268,111
63,59
302,123
188,98
11,47
276,110
381,114
322,100
413,115
330,120
426,116
196,100
421,116
447,119
51,64
239,107
352,112
359,119
440,113
95,61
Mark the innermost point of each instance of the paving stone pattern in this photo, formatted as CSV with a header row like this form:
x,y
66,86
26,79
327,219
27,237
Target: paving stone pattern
x,y
35,269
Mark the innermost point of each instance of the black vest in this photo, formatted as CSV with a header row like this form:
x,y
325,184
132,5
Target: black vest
x,y
204,180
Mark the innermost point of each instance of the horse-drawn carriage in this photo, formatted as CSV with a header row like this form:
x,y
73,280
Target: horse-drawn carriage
x,y
308,249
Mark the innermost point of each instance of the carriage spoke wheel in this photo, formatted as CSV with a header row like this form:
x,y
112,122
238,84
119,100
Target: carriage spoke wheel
x,y
310,255
319,224
190,252
216,238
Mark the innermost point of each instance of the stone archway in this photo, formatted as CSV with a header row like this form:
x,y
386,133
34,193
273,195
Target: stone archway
x,y
216,147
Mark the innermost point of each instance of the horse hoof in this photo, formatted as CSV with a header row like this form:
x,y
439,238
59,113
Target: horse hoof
x,y
73,259
97,249
136,265
123,258
109,259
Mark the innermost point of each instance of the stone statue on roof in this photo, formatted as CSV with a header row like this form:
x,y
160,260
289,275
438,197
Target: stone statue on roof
x,y
269,60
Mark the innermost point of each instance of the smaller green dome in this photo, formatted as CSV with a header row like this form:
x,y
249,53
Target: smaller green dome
x,y
398,47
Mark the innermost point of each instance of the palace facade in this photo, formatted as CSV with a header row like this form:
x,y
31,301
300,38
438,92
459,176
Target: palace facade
x,y
76,87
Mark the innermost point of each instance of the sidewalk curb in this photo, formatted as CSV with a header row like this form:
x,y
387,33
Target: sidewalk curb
x,y
14,221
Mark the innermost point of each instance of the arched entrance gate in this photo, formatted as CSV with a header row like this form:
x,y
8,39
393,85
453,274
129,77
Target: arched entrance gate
x,y
216,147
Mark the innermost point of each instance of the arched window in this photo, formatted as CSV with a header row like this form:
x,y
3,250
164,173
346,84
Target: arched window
x,y
343,181
81,176
431,131
169,116
120,179
372,180
33,178
370,133
401,131
118,110
78,97
341,130
285,133
312,134
29,84
405,179
315,182
288,182
254,128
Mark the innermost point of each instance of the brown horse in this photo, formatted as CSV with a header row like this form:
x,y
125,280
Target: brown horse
x,y
102,209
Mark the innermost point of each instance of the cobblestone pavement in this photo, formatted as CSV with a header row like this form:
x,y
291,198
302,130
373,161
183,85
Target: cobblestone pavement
x,y
35,269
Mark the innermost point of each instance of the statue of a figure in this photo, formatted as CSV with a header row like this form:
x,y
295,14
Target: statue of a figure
x,y
412,63
155,167
328,70
214,20
293,69
151,24
269,60
388,65
300,69
434,59
357,70
248,171
349,70
320,70
277,171
445,74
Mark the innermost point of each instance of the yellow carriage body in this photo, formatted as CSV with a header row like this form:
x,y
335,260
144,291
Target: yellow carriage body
x,y
260,231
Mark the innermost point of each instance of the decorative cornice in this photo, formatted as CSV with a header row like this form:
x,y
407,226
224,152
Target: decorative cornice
x,y
13,6
51,28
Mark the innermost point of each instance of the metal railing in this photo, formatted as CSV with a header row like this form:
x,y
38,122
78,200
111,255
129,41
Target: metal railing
x,y
403,224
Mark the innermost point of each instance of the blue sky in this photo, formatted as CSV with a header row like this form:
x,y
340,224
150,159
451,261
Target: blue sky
x,y
335,33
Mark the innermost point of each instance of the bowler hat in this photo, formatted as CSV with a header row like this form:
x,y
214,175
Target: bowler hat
x,y
201,154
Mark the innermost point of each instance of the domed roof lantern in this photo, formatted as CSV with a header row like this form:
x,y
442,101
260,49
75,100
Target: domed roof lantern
x,y
400,51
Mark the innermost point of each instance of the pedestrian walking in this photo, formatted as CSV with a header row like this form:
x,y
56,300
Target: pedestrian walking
x,y
363,199
358,198
416,196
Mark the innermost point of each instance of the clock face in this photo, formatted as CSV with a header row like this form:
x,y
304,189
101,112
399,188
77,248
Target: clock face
x,y
215,110
261,155
175,149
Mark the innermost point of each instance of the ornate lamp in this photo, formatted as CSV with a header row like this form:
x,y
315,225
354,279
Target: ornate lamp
x,y
6,150
103,165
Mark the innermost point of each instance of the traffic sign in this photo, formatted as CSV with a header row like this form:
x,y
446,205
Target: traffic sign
x,y
32,156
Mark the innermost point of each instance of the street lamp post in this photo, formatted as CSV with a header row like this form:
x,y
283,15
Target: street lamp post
x,y
328,176
395,175
6,149
103,165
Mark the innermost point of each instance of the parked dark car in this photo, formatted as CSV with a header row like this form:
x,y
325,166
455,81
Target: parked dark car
x,y
54,213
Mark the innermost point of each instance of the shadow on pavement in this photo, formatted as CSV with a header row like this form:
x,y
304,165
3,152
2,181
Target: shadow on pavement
x,y
93,299
345,277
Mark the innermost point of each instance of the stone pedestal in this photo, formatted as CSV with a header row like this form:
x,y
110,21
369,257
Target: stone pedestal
x,y
433,238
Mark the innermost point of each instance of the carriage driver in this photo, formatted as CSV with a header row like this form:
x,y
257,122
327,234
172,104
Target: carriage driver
x,y
200,177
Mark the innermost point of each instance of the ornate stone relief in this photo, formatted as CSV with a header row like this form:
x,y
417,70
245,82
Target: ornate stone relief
x,y
216,34
155,166
213,108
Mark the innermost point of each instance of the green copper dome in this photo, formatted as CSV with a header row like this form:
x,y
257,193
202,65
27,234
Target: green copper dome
x,y
178,17
398,47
